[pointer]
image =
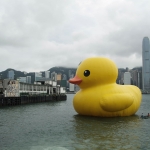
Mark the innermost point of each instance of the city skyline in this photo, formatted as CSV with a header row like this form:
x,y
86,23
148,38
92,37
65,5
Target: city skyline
x,y
60,67
140,77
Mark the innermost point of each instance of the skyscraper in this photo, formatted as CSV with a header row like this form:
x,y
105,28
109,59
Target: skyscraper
x,y
146,63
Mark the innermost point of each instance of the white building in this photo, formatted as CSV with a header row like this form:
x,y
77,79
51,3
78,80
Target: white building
x,y
127,78
63,90
14,88
71,87
47,74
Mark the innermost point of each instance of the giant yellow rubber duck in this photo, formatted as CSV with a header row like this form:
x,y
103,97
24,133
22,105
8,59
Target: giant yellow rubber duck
x,y
99,94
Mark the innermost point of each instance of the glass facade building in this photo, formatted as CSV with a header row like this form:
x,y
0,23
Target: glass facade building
x,y
38,75
11,74
28,79
47,74
146,63
22,79
54,76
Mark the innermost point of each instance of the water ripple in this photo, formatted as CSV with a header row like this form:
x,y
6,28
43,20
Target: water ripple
x,y
49,126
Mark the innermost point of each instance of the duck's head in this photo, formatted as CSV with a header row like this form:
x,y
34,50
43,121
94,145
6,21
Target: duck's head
x,y
95,71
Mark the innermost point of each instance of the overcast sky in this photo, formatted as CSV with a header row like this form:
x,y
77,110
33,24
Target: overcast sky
x,y
36,35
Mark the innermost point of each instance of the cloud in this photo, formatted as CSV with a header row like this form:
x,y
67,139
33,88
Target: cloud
x,y
37,35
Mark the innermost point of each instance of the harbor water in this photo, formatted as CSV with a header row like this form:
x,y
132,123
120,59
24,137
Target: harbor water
x,y
56,126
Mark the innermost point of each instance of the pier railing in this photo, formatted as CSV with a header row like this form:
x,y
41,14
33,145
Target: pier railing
x,y
11,101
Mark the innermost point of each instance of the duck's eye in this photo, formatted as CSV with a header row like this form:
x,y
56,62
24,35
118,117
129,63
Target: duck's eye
x,y
86,73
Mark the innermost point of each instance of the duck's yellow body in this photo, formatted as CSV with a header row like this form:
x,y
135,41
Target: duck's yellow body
x,y
99,94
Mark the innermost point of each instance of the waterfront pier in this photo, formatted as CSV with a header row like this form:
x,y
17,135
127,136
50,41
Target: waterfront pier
x,y
12,101
13,92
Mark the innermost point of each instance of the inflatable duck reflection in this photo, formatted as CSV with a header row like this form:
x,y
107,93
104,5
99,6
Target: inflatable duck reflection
x,y
99,94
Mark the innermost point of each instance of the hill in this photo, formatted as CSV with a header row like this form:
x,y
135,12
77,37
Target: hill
x,y
59,70
63,71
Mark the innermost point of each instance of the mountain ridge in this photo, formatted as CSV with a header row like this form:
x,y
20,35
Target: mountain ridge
x,y
57,69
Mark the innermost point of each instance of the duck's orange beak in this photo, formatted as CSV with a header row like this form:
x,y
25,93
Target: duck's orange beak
x,y
75,80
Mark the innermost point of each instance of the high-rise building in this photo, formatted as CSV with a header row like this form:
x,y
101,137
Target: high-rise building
x,y
54,76
28,79
58,76
70,74
64,77
38,75
136,76
71,87
47,74
127,78
120,79
11,74
146,63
